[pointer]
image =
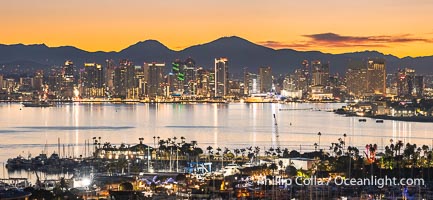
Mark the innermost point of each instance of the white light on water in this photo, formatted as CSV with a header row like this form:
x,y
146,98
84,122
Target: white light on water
x,y
76,93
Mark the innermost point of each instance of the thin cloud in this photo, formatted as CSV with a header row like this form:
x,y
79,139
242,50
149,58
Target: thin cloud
x,y
279,45
334,40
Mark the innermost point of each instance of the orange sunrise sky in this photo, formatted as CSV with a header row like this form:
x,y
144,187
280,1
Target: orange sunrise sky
x,y
399,27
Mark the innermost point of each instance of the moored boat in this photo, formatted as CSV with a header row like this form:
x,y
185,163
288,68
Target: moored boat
x,y
38,104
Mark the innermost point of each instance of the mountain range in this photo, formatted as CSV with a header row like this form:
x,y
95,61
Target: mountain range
x,y
240,52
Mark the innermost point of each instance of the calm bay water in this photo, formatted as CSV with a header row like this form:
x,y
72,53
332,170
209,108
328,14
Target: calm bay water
x,y
25,131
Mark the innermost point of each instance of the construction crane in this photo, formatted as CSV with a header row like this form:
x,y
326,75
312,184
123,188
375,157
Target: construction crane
x,y
277,135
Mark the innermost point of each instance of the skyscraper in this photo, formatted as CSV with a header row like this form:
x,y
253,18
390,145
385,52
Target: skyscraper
x,y
356,79
265,74
376,76
203,82
1,82
109,73
419,86
178,72
92,80
253,83
67,86
156,79
189,82
406,82
38,80
221,77
320,73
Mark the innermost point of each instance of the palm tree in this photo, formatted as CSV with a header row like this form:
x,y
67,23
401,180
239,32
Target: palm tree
x,y
319,134
344,145
209,151
193,143
237,152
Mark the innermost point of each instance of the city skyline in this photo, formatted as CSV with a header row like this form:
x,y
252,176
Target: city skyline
x,y
392,27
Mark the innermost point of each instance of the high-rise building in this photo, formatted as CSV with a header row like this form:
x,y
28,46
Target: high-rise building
x,y
246,80
356,79
265,74
55,81
419,86
156,79
301,81
109,74
221,77
406,82
68,69
92,81
302,77
140,79
185,73
176,85
320,73
68,80
124,79
27,81
376,76
253,83
203,81
1,82
190,73
38,80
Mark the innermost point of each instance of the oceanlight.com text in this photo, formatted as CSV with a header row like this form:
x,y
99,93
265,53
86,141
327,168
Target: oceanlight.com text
x,y
341,181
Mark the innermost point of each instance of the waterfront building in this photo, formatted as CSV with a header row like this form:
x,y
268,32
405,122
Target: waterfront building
x,y
419,86
405,82
190,73
55,80
301,81
253,83
221,81
67,86
176,84
376,77
290,89
92,81
26,83
320,73
356,79
38,80
318,93
203,82
265,74
109,73
1,82
246,80
120,79
155,79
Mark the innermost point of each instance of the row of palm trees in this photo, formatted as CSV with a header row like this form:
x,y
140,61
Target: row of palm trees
x,y
340,158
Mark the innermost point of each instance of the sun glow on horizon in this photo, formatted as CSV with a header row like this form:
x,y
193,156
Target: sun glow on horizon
x,y
398,27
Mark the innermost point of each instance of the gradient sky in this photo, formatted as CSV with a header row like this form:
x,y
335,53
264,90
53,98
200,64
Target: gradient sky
x,y
399,27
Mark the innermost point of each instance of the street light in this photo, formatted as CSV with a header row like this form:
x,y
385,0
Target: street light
x,y
319,134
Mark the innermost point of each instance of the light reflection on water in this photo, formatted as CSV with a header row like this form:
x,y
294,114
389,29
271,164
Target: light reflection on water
x,y
32,130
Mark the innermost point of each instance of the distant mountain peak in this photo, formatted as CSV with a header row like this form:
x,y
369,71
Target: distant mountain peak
x,y
145,45
241,52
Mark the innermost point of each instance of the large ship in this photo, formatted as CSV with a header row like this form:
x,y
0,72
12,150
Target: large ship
x,y
41,100
38,104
